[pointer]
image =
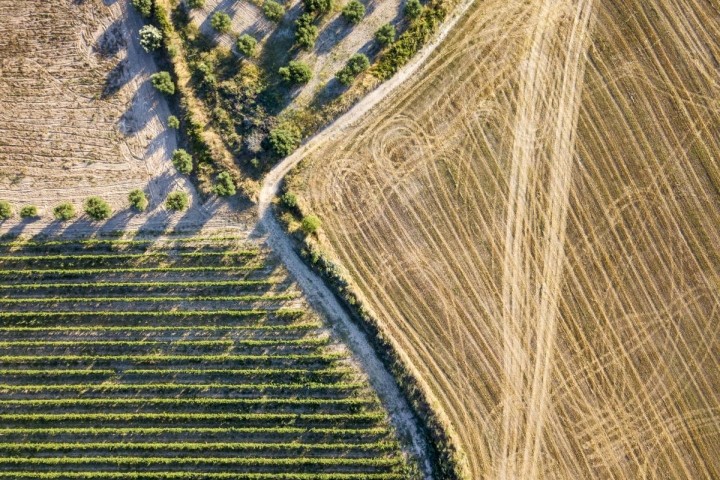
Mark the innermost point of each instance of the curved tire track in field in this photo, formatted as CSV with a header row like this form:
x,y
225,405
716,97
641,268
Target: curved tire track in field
x,y
313,286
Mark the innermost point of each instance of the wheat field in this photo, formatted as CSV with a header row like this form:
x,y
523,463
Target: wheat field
x,y
534,221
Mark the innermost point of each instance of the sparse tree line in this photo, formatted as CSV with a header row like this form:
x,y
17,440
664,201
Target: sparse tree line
x,y
95,207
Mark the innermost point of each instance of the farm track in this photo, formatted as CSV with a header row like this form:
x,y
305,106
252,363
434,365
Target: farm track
x,y
176,390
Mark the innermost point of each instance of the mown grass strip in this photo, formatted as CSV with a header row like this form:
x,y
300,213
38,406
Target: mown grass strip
x,y
191,431
240,298
318,341
258,387
118,241
194,283
95,271
36,447
172,358
101,256
202,401
287,312
175,475
172,416
150,328
238,461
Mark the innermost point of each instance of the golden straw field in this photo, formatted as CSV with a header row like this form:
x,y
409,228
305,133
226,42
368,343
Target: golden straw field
x,y
534,219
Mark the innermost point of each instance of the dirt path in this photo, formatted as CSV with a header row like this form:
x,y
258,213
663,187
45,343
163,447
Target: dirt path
x,y
317,292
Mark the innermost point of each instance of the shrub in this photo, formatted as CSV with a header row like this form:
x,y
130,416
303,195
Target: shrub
x,y
225,185
150,38
97,208
357,64
177,201
182,160
173,122
65,211
163,82
296,72
285,139
289,200
385,34
138,200
5,210
246,44
273,10
305,31
196,3
353,12
318,6
143,6
413,8
310,224
221,22
29,211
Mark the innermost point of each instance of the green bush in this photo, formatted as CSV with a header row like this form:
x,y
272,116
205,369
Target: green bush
x,y
177,201
138,200
97,208
143,6
357,64
173,122
5,210
65,211
246,44
305,32
296,72
150,38
310,224
196,3
289,200
183,161
385,34
318,6
29,211
353,12
163,82
225,186
413,8
285,139
273,10
221,22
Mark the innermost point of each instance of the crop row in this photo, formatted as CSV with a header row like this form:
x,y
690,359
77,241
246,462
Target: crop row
x,y
151,328
314,341
228,253
156,357
356,402
287,312
192,431
238,461
239,298
22,243
67,272
194,283
176,371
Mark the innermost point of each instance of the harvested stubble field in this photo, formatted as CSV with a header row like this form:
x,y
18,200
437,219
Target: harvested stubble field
x,y
176,359
78,115
533,220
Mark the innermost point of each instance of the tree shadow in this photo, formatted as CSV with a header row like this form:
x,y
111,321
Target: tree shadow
x,y
333,33
111,41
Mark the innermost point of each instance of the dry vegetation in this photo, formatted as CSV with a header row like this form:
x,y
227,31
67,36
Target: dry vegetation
x,y
78,116
533,220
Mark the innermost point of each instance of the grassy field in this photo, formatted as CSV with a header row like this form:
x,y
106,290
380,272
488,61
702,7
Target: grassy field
x,y
533,221
176,359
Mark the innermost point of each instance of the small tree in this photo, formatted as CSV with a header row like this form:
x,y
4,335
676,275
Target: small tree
x,y
97,208
289,200
183,161
385,34
143,6
296,72
173,122
221,22
273,10
163,82
64,212
310,224
246,44
318,6
29,211
413,8
177,201
225,186
5,210
150,38
285,139
196,3
138,200
357,64
353,12
305,32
